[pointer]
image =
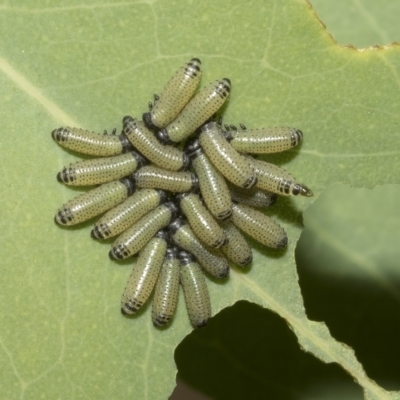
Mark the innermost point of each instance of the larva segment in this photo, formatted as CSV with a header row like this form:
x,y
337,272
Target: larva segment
x,y
195,290
92,143
152,177
200,220
213,187
264,140
252,197
274,179
144,275
176,94
120,218
139,234
225,158
145,142
94,202
237,250
100,170
259,226
167,289
211,260
205,104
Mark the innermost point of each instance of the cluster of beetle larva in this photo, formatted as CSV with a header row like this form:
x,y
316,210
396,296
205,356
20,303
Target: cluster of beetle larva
x,y
147,190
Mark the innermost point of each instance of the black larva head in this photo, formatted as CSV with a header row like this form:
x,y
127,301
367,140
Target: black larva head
x,y
163,195
139,159
127,119
185,257
161,234
185,162
130,185
163,137
175,225
146,117
173,208
178,198
172,252
193,149
195,183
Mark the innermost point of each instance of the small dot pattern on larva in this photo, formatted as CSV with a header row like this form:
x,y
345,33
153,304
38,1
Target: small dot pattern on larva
x,y
225,158
100,170
167,289
93,203
145,142
237,249
197,297
135,237
152,177
264,140
205,104
201,221
212,185
211,260
174,97
144,274
120,218
210,179
91,143
259,226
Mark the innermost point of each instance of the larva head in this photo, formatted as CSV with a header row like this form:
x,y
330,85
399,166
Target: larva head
x,y
193,149
185,257
163,137
302,190
223,88
139,159
130,185
175,225
173,208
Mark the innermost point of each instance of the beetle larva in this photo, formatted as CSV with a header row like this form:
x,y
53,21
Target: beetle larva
x,y
195,289
152,177
212,185
135,237
225,158
92,143
211,260
145,142
263,140
100,170
94,202
205,104
144,274
167,289
123,216
274,179
176,94
252,197
237,250
259,226
200,220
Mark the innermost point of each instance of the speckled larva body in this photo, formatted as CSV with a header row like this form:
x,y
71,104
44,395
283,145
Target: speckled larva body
x,y
94,202
152,177
211,260
123,216
145,142
167,289
92,143
144,274
195,290
213,187
176,94
205,104
259,226
252,197
200,220
274,179
100,170
136,237
225,158
264,140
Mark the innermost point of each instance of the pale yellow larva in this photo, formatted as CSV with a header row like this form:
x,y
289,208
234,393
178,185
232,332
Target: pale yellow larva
x,y
167,289
205,104
259,226
138,235
195,290
213,187
145,142
144,274
123,216
176,94
94,202
211,260
101,170
92,143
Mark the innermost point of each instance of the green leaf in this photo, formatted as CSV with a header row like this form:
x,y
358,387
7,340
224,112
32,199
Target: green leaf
x,y
89,64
